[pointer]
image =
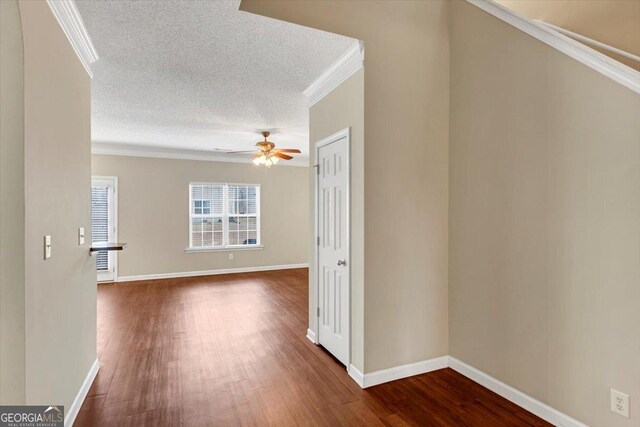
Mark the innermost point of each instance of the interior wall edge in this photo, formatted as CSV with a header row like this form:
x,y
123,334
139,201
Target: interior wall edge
x,y
12,226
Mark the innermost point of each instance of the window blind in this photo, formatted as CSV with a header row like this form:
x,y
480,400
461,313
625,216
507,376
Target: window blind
x,y
223,215
100,223
243,215
207,215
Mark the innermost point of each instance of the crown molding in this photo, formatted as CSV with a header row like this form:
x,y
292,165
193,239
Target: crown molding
x,y
69,18
603,64
350,62
589,41
131,150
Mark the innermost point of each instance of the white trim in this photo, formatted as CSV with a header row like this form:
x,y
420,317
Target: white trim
x,y
225,249
356,375
605,65
350,62
225,218
312,336
590,41
397,372
223,183
513,395
71,415
132,150
525,401
70,21
209,272
342,134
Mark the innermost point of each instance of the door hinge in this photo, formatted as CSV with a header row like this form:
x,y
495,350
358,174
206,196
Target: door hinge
x,y
318,241
318,311
317,169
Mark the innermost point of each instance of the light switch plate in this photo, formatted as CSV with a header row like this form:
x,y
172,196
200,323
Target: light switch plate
x,y
230,256
47,246
81,236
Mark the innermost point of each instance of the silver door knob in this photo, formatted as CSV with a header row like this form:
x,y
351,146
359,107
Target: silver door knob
x,y
342,262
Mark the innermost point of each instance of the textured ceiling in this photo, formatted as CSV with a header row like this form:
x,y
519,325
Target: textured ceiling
x,y
201,75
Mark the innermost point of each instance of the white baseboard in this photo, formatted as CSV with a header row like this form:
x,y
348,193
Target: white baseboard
x,y
72,413
397,372
357,376
525,401
311,336
209,272
521,399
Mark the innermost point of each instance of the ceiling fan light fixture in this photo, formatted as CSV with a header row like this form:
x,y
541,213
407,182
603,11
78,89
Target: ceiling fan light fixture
x,y
268,154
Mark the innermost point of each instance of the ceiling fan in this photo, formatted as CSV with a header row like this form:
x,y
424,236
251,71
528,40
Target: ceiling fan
x,y
268,154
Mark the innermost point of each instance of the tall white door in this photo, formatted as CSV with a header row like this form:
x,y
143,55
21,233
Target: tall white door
x,y
104,224
333,245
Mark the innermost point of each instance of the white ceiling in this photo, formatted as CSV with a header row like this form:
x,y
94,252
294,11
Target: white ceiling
x,y
201,75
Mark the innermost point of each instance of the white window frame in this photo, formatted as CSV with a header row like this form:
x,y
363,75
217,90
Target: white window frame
x,y
225,219
110,275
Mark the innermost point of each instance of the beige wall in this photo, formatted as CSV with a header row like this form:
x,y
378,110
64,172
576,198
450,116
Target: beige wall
x,y
544,225
614,22
342,108
405,170
61,291
12,367
153,213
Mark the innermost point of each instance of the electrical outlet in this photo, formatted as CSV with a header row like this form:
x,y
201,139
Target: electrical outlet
x,y
620,403
230,256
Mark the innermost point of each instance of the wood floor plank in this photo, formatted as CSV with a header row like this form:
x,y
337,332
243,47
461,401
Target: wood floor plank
x,y
247,404
232,350
298,402
394,420
275,408
220,402
350,414
90,412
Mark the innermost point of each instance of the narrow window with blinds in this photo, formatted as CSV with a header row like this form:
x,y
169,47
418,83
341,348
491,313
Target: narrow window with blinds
x,y
104,224
100,223
223,215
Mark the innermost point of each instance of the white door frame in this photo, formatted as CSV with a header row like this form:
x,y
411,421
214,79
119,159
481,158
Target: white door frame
x,y
344,133
113,255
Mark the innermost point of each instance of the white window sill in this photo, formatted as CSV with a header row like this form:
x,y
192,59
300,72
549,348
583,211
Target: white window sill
x,y
225,249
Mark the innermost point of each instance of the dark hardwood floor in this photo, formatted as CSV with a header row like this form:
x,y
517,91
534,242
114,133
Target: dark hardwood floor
x,y
231,350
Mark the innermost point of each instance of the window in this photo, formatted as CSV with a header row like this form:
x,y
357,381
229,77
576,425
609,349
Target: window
x,y
223,215
104,223
100,223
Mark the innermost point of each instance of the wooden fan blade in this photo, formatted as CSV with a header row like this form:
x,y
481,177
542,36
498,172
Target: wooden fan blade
x,y
289,150
240,152
282,156
255,156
